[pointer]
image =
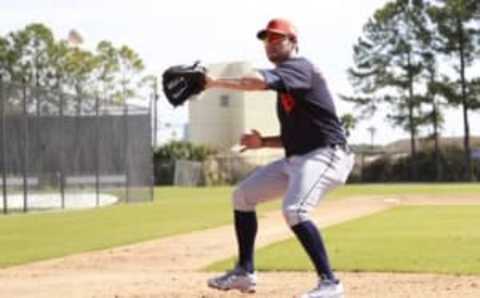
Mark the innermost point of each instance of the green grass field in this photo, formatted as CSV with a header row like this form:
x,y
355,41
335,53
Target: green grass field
x,y
410,189
36,236
439,239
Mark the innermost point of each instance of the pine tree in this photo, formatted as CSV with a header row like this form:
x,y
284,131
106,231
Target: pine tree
x,y
388,63
458,27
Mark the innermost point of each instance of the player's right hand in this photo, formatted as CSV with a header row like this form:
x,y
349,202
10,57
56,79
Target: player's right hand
x,y
251,140
209,81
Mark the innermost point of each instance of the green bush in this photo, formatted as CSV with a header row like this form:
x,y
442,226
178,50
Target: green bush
x,y
397,169
166,155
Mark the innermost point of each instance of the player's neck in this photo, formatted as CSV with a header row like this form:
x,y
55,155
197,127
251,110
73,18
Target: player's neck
x,y
292,55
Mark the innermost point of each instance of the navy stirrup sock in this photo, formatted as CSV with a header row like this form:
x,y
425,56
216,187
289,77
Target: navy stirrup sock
x,y
312,242
246,230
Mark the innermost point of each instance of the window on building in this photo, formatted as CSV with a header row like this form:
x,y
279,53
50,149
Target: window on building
x,y
224,101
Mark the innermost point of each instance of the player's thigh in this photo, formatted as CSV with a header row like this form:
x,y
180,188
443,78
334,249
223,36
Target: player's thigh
x,y
311,177
266,183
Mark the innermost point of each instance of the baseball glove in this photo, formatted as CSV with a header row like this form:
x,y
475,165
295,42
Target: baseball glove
x,y
180,82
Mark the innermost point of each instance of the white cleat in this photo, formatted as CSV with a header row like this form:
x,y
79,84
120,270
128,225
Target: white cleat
x,y
326,289
237,279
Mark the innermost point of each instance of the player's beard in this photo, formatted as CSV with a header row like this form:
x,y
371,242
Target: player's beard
x,y
279,53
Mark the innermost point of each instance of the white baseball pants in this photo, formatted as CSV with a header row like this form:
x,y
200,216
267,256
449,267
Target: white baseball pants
x,y
302,180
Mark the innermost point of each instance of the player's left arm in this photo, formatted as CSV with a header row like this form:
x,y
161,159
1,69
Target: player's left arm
x,y
251,82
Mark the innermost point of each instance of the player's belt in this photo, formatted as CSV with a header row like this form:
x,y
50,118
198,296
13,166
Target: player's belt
x,y
343,146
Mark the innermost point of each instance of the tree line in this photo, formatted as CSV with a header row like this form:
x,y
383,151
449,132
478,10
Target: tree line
x,y
417,58
34,56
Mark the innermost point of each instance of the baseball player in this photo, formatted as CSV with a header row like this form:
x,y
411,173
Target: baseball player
x,y
317,158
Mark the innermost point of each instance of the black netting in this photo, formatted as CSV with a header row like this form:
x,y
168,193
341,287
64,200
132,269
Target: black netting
x,y
64,151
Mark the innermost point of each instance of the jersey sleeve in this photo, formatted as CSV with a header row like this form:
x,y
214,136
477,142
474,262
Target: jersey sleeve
x,y
273,80
288,77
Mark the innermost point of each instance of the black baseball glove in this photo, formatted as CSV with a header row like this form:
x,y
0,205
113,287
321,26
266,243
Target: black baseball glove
x,y
180,82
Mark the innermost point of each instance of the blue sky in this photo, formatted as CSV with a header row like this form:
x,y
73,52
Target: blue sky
x,y
181,31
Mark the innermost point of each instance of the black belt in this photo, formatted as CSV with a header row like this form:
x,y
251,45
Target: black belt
x,y
343,147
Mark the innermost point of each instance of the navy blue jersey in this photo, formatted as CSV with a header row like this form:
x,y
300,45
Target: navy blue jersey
x,y
305,107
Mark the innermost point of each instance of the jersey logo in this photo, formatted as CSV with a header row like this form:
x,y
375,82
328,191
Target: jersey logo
x,y
288,103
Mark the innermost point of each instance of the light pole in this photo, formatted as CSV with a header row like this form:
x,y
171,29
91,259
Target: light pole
x,y
372,131
74,40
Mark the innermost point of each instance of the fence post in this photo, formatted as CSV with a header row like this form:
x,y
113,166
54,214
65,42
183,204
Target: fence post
x,y
4,153
362,166
25,148
62,147
97,150
152,153
127,153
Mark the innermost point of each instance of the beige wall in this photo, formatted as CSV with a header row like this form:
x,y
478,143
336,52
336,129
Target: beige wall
x,y
260,113
219,125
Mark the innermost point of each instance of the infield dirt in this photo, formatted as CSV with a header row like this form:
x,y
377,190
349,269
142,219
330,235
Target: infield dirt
x,y
170,267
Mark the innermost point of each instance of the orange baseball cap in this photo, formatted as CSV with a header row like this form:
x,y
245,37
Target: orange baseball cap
x,y
280,26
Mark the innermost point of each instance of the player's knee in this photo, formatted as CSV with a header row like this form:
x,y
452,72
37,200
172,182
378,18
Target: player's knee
x,y
294,215
240,200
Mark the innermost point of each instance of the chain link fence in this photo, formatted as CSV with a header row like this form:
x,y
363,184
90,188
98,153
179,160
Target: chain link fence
x,y
64,151
215,170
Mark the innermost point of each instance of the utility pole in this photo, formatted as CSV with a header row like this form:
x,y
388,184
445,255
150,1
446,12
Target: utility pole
x,y
372,130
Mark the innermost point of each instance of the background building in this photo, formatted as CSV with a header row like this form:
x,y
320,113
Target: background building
x,y
218,117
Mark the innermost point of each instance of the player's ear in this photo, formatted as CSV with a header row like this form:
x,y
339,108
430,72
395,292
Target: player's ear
x,y
296,47
294,43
